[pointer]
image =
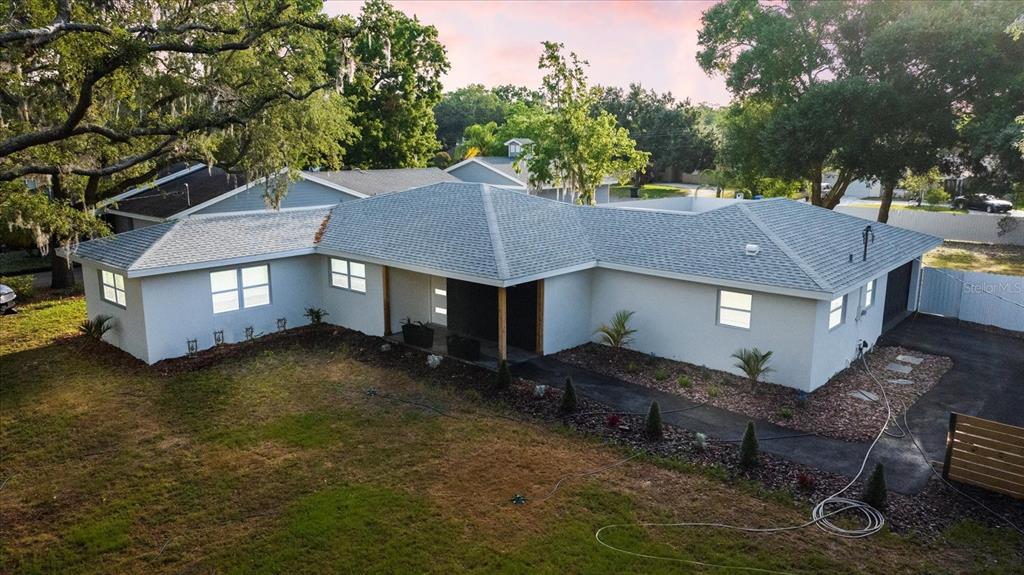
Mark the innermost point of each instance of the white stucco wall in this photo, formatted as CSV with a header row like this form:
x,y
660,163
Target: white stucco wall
x,y
835,349
129,331
359,311
179,306
567,311
410,297
679,320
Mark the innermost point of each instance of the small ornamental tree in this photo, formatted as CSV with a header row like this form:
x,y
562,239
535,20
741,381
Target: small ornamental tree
x,y
504,378
875,492
748,449
569,401
653,428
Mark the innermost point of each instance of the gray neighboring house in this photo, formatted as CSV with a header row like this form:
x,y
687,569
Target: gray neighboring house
x,y
471,258
184,191
503,171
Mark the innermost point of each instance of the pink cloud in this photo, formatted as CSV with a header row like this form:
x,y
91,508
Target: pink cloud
x,y
498,42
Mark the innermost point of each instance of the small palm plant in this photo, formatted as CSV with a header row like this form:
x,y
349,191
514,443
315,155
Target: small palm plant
x,y
97,326
754,363
618,334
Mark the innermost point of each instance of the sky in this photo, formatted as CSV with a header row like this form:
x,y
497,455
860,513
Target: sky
x,y
498,42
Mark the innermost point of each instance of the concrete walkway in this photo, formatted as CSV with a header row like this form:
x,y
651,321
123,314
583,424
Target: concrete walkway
x,y
905,469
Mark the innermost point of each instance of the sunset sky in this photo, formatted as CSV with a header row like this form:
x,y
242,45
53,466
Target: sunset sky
x,y
493,42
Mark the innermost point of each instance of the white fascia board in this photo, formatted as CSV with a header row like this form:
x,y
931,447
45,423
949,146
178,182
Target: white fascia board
x,y
327,183
163,270
489,167
265,211
150,185
135,216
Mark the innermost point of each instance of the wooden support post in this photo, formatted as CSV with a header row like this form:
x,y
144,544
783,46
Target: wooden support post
x,y
502,324
386,283
950,436
540,317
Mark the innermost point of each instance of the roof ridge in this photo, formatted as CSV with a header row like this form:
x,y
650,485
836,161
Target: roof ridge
x,y
803,265
497,245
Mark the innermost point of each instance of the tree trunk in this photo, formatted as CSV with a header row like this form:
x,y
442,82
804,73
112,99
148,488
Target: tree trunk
x,y
815,177
838,190
883,210
62,274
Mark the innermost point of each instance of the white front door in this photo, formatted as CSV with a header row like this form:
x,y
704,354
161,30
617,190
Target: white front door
x,y
438,300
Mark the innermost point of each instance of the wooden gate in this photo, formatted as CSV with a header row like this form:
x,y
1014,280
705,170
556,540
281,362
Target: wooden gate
x,y
985,453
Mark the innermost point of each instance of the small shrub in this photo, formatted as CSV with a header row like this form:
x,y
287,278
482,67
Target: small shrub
x,y
653,428
713,391
684,382
661,374
316,315
569,401
754,363
23,285
875,492
504,377
700,441
748,448
806,481
936,196
613,420
617,334
786,413
632,367
97,326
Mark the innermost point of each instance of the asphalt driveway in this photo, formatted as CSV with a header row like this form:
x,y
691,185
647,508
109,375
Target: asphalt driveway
x,y
987,380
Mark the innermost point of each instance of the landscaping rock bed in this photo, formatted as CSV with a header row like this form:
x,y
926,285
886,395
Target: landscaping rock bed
x,y
829,411
928,513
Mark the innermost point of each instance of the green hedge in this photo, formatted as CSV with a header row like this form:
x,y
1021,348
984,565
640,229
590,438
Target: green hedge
x,y
22,285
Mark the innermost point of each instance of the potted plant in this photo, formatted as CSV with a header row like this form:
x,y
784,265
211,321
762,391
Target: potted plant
x,y
464,347
417,334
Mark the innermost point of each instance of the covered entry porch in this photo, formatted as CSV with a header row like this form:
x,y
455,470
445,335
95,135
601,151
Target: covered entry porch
x,y
504,323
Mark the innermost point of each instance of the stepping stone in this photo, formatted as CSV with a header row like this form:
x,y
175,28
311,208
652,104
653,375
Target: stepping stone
x,y
898,368
901,381
910,359
864,395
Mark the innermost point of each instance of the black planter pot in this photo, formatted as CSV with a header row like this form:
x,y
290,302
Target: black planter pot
x,y
418,335
464,347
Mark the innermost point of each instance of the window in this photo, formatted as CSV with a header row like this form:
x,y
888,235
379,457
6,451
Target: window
x,y
835,311
113,288
869,294
348,275
255,291
734,309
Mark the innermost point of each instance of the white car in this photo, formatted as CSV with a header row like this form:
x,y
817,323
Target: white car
x,y
7,297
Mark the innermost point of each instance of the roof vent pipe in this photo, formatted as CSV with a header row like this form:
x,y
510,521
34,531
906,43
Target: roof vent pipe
x,y
188,198
753,249
869,235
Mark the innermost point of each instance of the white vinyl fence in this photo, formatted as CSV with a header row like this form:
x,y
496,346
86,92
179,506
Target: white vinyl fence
x,y
969,227
987,299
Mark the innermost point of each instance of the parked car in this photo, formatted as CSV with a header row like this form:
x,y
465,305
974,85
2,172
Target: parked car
x,y
7,297
987,202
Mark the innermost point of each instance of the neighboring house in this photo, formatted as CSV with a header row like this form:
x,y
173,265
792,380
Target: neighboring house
x,y
774,274
503,171
184,191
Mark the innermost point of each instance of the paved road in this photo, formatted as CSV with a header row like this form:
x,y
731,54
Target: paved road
x,y
982,382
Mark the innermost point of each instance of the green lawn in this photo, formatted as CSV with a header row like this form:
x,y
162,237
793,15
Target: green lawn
x,y
650,192
975,257
280,462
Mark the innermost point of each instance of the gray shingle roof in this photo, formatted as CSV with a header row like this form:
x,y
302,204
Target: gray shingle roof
x,y
373,182
499,235
507,167
202,240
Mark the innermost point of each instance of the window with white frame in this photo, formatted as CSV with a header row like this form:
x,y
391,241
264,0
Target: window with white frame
x,y
348,275
869,294
244,287
113,288
835,311
734,308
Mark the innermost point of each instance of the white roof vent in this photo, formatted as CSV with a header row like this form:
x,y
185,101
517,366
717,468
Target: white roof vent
x,y
753,249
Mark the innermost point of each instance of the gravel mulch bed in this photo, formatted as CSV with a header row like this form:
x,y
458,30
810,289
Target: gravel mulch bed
x,y
828,411
927,513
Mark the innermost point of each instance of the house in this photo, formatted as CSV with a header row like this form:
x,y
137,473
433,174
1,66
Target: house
x,y
505,172
183,191
523,272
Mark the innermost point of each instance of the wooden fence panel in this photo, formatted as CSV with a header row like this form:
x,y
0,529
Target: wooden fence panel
x,y
985,453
